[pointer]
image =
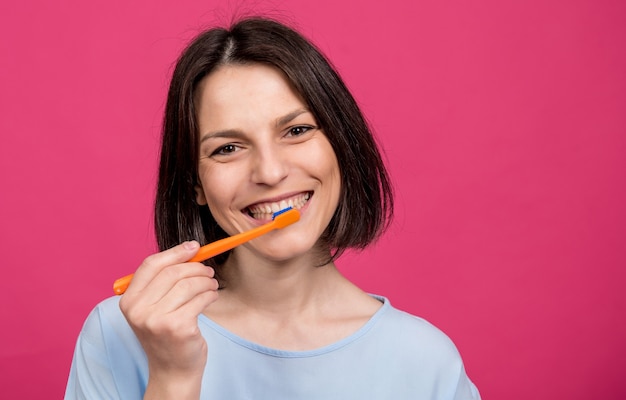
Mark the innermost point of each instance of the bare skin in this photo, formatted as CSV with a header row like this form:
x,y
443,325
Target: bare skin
x,y
162,305
290,307
275,292
286,306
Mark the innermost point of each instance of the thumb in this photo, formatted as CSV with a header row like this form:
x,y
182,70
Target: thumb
x,y
175,255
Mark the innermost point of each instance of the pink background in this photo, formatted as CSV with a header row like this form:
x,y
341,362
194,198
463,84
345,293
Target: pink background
x,y
504,126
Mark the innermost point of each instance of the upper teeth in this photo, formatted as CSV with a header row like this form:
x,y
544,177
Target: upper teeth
x,y
270,208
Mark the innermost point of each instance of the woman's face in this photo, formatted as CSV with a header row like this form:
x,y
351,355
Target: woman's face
x,y
261,151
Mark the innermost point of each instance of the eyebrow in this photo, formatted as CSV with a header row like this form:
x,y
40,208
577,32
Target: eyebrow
x,y
290,117
235,133
227,133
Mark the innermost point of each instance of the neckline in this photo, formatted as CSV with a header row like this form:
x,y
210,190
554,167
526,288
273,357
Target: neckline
x,y
304,353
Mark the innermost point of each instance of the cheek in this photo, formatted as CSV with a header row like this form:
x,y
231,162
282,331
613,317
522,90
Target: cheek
x,y
218,183
333,179
324,162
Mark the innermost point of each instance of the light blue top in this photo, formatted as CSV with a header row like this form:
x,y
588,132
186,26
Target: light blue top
x,y
394,356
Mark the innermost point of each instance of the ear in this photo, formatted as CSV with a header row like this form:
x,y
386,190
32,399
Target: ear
x,y
200,197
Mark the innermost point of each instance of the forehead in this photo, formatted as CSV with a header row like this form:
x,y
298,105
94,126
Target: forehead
x,y
244,92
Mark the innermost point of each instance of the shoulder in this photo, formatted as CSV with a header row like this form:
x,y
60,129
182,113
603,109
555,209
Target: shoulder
x,y
420,360
107,309
410,343
414,336
106,328
106,314
108,359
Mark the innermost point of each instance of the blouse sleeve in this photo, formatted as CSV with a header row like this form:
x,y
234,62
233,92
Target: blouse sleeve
x,y
91,375
109,362
465,389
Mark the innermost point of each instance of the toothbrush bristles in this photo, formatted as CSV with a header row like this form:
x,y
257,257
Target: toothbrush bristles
x,y
277,213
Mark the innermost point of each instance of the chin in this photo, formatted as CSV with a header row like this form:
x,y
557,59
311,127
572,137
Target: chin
x,y
288,248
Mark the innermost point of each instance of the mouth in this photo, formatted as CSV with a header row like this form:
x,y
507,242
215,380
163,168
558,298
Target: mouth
x,y
265,211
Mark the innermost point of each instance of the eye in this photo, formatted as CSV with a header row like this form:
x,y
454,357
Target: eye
x,y
224,150
299,130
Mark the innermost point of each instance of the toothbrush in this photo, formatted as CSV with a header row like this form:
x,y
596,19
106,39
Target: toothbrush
x,y
280,220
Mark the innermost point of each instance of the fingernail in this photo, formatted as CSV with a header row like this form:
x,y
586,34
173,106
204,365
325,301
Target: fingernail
x,y
191,245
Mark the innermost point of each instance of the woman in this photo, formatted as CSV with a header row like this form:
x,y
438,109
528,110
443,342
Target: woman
x,y
257,119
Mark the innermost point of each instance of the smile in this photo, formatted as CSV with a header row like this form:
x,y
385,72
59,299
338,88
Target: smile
x,y
266,210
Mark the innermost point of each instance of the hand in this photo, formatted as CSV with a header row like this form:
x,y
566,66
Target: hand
x,y
162,305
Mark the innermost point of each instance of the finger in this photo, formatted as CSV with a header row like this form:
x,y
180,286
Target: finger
x,y
194,307
140,309
184,292
155,263
167,279
182,323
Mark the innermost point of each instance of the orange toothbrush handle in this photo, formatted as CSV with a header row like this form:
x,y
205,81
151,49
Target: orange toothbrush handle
x,y
222,245
218,247
120,285
205,252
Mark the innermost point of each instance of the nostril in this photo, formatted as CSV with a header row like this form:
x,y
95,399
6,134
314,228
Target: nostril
x,y
269,171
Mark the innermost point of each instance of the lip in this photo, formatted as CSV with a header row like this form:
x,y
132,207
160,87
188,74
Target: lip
x,y
277,199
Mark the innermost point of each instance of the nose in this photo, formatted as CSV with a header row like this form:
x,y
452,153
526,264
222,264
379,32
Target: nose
x,y
270,165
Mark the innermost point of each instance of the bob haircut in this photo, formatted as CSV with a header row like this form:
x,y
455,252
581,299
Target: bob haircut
x,y
366,202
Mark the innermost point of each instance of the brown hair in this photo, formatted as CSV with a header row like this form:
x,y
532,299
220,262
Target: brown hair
x,y
366,201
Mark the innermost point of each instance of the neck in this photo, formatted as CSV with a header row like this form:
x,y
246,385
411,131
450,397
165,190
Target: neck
x,y
278,286
289,305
